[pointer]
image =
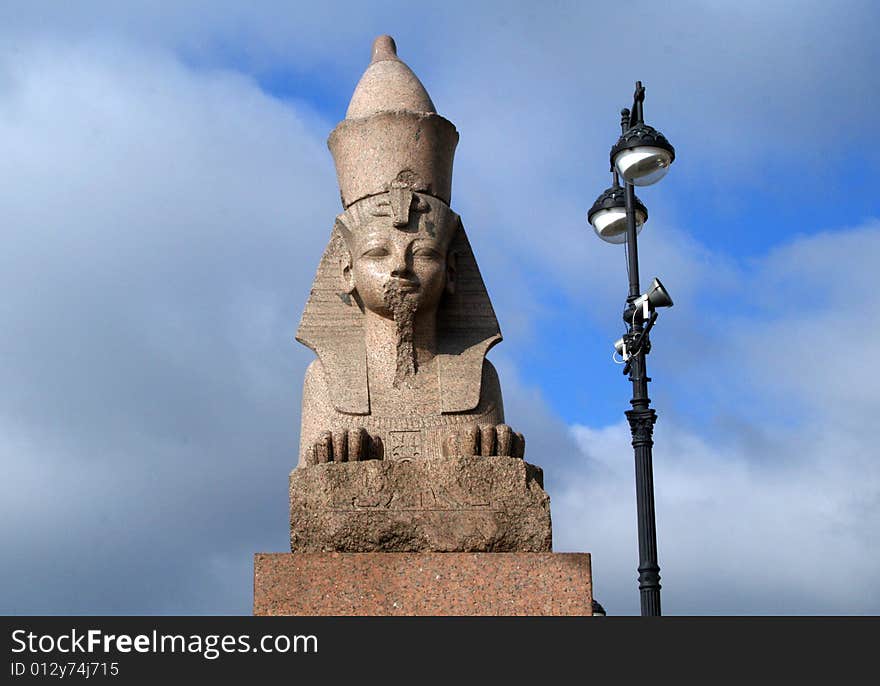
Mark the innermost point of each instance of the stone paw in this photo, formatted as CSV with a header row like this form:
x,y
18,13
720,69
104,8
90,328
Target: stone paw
x,y
486,440
344,445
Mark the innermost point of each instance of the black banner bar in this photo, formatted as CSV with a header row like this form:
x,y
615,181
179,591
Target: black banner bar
x,y
126,650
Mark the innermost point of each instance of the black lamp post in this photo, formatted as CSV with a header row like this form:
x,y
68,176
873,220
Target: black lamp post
x,y
641,156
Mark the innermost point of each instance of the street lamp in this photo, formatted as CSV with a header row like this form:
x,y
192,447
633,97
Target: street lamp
x,y
640,157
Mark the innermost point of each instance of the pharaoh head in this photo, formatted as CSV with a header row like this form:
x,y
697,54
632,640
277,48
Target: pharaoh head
x,y
398,264
397,251
393,156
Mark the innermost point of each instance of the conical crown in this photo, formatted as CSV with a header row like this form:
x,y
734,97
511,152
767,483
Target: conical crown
x,y
392,134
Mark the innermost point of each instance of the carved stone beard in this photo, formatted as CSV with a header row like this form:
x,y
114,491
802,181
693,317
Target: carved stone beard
x,y
403,309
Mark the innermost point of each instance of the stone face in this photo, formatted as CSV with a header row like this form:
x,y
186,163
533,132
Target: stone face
x,y
374,584
461,504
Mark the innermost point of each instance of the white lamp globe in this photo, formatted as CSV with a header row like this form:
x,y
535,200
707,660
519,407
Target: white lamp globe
x,y
607,216
644,165
610,225
642,155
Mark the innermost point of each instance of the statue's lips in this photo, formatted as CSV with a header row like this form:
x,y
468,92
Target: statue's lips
x,y
402,286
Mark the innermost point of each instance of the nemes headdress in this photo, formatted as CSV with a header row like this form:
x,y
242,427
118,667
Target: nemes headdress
x,y
392,141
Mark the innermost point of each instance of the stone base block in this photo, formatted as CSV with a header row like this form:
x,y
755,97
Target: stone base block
x,y
378,584
458,504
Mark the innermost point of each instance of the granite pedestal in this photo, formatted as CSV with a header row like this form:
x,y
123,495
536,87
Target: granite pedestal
x,y
378,584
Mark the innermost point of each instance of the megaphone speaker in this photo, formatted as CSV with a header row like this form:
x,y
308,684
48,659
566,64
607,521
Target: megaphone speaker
x,y
658,296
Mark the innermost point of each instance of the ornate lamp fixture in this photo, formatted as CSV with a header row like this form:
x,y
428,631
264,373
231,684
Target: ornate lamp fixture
x,y
608,214
642,154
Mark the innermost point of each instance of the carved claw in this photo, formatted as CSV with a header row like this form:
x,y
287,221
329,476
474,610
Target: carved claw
x,y
357,441
487,440
504,436
340,446
376,448
471,441
519,449
324,448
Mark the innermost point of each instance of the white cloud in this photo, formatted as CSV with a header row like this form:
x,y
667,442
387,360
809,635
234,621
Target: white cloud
x,y
788,530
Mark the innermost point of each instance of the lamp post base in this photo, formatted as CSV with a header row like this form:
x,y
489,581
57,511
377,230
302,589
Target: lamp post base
x,y
641,422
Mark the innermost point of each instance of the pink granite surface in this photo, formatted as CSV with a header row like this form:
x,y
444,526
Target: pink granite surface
x,y
314,584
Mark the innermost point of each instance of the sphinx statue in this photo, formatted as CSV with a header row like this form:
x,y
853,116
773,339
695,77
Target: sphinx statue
x,y
398,315
401,399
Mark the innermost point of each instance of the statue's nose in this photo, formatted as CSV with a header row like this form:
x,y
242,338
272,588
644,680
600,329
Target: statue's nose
x,y
400,266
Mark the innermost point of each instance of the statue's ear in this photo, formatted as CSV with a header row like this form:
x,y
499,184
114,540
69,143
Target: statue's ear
x,y
450,272
346,273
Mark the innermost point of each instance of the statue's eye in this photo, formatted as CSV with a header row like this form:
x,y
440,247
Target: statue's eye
x,y
426,254
378,251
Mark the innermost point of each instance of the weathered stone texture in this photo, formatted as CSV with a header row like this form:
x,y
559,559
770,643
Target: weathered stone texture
x,y
461,504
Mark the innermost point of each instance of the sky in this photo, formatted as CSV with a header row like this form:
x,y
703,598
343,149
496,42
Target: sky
x,y
168,193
